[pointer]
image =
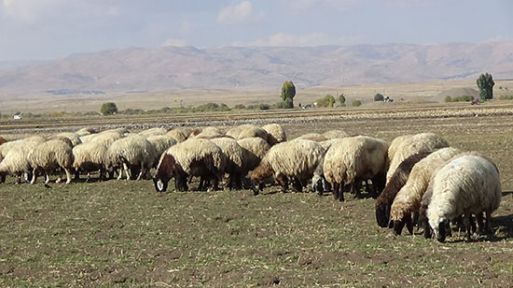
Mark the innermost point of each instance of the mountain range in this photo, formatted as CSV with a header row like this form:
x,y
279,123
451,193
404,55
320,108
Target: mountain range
x,y
168,68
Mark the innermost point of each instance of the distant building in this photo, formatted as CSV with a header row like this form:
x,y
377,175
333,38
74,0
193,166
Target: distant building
x,y
17,116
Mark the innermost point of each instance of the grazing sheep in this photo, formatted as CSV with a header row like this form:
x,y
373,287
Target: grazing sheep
x,y
161,144
73,137
235,162
180,134
133,152
319,183
105,138
395,146
466,185
14,160
311,136
48,156
254,150
153,131
407,200
89,157
401,174
86,131
275,133
408,146
294,159
246,131
335,134
355,159
208,133
193,157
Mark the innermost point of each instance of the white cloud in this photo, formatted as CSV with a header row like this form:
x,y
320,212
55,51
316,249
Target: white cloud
x,y
175,42
302,6
295,40
237,13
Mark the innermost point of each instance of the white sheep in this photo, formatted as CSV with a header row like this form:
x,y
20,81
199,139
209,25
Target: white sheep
x,y
467,185
134,154
246,131
335,134
235,166
311,136
90,156
275,133
296,160
73,137
15,161
193,157
407,200
153,131
161,144
353,160
407,146
180,134
48,156
208,133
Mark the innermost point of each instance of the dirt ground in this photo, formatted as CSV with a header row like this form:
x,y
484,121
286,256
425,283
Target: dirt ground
x,y
124,234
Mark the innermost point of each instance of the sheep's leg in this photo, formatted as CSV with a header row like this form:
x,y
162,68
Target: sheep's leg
x,y
47,177
466,223
34,176
68,175
141,173
409,224
127,171
2,178
120,174
340,193
487,227
336,187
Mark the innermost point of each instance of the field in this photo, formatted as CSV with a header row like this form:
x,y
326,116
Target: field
x,y
124,234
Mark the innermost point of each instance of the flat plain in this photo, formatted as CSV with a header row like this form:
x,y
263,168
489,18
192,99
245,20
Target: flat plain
x,y
124,234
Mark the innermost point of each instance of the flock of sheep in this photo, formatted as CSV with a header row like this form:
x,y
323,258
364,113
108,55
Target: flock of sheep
x,y
417,179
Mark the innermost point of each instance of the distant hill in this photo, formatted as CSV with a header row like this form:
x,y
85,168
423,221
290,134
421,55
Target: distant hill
x,y
165,68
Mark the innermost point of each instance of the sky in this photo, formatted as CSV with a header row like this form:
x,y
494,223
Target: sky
x,y
49,29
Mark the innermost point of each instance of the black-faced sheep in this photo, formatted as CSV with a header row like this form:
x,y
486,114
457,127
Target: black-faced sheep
x,y
193,157
48,156
399,178
407,200
295,160
353,160
275,133
132,153
408,146
467,185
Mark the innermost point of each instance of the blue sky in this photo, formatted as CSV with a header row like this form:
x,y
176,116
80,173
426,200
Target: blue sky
x,y
47,29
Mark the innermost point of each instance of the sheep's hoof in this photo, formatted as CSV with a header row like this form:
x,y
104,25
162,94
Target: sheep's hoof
x,y
58,180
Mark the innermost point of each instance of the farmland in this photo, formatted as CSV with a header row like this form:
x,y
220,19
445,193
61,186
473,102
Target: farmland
x,y
124,234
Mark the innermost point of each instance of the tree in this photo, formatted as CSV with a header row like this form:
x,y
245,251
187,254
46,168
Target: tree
x,y
288,91
109,108
342,100
326,101
485,84
379,97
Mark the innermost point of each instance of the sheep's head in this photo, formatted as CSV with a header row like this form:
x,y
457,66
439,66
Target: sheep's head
x,y
382,214
259,174
399,224
317,184
440,231
165,171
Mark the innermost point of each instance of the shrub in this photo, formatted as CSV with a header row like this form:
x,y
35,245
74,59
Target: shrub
x,y
264,106
342,100
463,98
109,108
326,101
209,107
281,105
506,97
356,103
379,97
239,107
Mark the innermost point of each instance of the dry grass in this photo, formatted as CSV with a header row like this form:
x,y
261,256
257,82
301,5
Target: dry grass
x,y
123,234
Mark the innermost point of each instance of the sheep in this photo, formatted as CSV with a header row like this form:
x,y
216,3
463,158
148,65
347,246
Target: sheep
x,y
50,155
469,184
385,199
73,137
254,149
235,161
410,145
161,144
312,136
407,200
15,157
90,156
86,131
153,131
335,134
247,131
354,159
395,146
319,183
132,152
193,157
105,138
179,134
208,133
294,159
275,133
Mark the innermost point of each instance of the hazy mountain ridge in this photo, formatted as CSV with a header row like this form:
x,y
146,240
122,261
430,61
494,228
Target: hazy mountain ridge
x,y
258,67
